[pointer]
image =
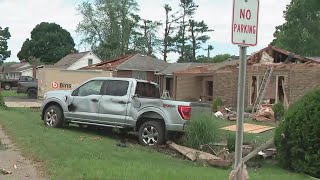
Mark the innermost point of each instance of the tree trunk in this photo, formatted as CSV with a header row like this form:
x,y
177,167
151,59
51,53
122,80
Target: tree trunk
x,y
194,43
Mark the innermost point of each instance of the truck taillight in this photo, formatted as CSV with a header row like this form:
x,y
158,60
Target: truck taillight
x,y
185,112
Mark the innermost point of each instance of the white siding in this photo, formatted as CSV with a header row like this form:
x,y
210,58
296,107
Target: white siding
x,y
83,62
27,72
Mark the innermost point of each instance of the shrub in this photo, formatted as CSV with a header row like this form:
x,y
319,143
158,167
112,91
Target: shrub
x,y
279,111
297,137
203,129
216,104
2,103
231,142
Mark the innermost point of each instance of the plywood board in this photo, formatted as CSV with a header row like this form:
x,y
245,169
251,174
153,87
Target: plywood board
x,y
249,128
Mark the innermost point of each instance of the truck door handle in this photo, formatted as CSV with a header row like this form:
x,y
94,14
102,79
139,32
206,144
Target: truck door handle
x,y
95,100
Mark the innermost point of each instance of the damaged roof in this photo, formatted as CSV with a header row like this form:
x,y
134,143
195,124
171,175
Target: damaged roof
x,y
70,59
279,55
133,62
173,67
208,68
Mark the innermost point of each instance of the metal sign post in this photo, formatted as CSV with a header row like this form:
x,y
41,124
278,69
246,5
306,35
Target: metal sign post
x,y
244,33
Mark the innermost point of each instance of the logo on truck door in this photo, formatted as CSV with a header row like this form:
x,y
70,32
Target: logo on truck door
x,y
56,85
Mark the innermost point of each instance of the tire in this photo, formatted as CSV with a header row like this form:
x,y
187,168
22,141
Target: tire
x,y
151,133
7,86
53,117
32,94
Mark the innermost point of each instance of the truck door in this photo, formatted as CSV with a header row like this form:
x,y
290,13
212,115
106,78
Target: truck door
x,y
114,102
85,102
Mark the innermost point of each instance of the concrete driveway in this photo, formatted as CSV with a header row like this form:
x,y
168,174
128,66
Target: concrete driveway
x,y
18,102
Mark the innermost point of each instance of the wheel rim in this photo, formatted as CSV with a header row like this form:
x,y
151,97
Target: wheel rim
x,y
150,135
51,117
6,87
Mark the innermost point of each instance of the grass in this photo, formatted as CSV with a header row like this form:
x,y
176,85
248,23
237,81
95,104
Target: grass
x,y
11,93
73,153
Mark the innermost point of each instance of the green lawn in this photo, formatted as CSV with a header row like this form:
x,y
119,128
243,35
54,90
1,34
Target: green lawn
x,y
11,93
73,153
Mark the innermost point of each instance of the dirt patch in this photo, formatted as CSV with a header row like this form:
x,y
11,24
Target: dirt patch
x,y
12,160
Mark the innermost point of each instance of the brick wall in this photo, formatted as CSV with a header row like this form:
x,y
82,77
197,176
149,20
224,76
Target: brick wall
x,y
188,88
302,80
127,74
225,86
298,80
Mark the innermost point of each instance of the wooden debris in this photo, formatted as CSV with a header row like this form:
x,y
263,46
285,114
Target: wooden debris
x,y
256,151
5,172
200,156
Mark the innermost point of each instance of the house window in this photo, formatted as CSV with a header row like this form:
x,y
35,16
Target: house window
x,y
89,62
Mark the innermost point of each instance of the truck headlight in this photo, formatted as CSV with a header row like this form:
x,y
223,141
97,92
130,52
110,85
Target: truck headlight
x,y
44,96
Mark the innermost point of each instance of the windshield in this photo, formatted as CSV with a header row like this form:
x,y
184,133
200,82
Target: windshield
x,y
147,90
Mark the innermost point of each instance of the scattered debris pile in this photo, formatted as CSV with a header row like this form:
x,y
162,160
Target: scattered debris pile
x,y
227,113
264,114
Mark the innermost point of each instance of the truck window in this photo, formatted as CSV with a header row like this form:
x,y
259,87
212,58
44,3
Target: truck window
x,y
147,90
116,88
90,88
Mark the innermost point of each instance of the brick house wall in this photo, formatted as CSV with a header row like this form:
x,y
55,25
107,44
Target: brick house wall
x,y
298,80
187,87
301,80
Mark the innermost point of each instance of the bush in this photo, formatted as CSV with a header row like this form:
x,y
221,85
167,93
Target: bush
x,y
203,129
279,111
231,142
216,104
297,137
2,104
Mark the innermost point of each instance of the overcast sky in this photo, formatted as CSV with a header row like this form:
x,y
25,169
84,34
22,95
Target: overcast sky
x,y
21,16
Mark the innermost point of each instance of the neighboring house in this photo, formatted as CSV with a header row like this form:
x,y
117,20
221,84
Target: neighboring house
x,y
28,71
135,66
166,76
77,61
13,71
196,83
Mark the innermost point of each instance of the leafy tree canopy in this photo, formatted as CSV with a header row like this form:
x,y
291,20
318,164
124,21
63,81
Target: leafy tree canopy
x,y
49,42
218,58
300,32
4,37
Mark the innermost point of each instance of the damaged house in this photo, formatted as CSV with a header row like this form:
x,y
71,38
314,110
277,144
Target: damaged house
x,y
273,75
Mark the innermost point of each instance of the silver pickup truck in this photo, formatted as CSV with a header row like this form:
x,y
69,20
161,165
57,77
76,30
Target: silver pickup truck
x,y
118,102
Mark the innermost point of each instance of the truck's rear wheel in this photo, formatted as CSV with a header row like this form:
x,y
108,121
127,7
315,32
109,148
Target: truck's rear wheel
x,y
7,86
32,94
53,116
151,133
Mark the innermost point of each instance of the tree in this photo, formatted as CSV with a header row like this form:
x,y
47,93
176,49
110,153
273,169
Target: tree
x,y
300,32
168,41
151,40
197,35
188,10
4,37
49,42
109,26
209,49
218,58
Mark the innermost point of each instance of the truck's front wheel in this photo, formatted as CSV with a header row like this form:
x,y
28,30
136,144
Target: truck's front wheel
x,y
151,133
53,116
